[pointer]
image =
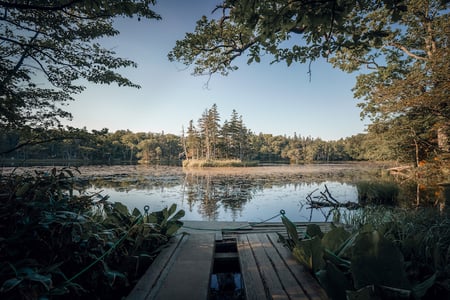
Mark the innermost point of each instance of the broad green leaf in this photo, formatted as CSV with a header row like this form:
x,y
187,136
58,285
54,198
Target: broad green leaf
x,y
377,261
10,284
313,230
291,229
121,209
180,214
333,239
365,293
334,281
309,252
421,289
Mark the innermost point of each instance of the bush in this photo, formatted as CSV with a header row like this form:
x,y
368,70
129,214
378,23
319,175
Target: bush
x,y
56,244
396,254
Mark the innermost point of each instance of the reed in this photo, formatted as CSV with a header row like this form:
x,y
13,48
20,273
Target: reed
x,y
217,163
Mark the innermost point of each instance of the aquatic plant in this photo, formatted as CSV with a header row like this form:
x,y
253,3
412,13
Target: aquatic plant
x,y
217,163
57,243
405,256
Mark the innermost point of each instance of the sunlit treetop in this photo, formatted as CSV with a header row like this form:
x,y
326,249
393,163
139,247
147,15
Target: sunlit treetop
x,y
48,48
346,32
399,48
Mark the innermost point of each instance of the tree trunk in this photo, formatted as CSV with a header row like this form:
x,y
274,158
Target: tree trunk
x,y
443,139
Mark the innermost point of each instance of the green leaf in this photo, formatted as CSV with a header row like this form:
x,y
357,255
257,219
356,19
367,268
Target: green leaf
x,y
309,252
46,280
377,261
10,284
421,289
365,293
121,209
313,230
136,213
180,214
334,281
291,229
335,238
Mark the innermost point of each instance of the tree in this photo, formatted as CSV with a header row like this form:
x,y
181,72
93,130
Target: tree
x,y
401,47
235,136
48,49
209,129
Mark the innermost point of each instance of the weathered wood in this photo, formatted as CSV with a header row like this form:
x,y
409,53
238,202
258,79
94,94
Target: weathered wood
x,y
189,276
151,277
309,285
270,271
253,284
173,275
282,272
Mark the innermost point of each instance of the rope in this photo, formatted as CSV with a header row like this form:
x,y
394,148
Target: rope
x,y
281,213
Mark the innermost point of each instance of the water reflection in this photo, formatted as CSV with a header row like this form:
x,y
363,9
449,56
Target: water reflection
x,y
224,198
251,196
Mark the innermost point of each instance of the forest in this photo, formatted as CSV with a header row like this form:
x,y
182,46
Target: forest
x,y
58,244
208,138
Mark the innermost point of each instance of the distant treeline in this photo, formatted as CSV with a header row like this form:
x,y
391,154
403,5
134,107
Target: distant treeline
x,y
209,139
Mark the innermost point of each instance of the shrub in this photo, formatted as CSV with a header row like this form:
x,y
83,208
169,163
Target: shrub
x,y
55,244
400,255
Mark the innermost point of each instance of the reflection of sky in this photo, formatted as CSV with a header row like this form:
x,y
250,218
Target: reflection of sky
x,y
263,204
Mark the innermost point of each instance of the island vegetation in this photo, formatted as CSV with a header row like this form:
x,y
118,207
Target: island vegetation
x,y
55,243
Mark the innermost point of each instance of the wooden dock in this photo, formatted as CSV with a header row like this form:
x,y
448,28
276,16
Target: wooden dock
x,y
267,269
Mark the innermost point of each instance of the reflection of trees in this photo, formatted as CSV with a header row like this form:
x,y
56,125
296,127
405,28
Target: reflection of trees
x,y
125,182
212,193
215,192
415,194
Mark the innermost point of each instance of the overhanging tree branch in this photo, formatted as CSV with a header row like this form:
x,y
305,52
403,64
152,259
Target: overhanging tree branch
x,y
31,6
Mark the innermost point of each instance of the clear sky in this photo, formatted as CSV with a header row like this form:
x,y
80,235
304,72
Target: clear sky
x,y
272,99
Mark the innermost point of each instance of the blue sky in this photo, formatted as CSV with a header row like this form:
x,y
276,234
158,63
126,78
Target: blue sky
x,y
272,99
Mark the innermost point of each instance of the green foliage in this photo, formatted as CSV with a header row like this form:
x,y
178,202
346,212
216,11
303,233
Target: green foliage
x,y
394,258
217,163
55,244
48,48
167,220
400,50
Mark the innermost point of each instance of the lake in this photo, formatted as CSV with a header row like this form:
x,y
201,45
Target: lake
x,y
251,194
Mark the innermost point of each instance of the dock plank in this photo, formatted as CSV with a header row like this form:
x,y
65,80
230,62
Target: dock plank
x,y
254,286
189,277
152,277
309,285
185,272
282,271
270,271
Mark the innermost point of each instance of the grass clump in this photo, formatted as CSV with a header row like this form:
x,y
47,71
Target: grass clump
x,y
217,163
370,192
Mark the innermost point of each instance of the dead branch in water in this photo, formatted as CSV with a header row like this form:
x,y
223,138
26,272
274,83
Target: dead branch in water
x,y
327,200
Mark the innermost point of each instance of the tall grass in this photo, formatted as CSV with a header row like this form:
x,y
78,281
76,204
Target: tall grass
x,y
370,192
219,163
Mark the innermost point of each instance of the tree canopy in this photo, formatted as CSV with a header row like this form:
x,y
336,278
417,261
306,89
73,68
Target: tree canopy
x,y
399,48
49,48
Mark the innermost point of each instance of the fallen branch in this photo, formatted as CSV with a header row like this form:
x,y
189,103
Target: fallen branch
x,y
327,200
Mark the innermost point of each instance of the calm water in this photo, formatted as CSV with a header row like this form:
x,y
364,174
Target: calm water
x,y
247,194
